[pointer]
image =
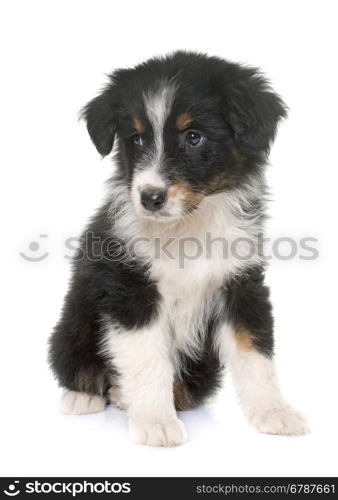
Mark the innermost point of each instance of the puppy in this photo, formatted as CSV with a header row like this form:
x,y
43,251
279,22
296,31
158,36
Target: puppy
x,y
168,283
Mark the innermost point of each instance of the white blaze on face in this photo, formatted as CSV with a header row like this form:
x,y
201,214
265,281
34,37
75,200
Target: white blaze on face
x,y
157,106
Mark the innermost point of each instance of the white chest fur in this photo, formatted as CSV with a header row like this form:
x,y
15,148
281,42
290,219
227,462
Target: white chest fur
x,y
192,258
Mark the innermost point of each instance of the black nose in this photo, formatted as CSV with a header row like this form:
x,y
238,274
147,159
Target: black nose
x,y
153,199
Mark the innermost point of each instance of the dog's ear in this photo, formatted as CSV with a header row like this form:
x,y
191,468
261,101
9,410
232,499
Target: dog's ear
x,y
252,109
101,117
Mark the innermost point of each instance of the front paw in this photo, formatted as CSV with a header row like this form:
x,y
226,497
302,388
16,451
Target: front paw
x,y
155,433
284,420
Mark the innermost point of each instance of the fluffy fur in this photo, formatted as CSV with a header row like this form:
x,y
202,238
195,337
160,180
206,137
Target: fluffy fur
x,y
168,285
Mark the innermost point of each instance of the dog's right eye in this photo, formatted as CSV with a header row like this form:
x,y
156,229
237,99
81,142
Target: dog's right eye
x,y
138,140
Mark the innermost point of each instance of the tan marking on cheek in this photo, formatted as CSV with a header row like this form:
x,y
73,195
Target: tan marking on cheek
x,y
182,397
182,191
183,121
138,126
244,340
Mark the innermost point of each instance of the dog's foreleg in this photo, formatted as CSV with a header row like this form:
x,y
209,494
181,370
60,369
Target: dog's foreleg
x,y
245,345
255,380
146,375
256,384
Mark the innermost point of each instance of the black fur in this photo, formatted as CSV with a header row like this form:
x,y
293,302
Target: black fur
x,y
248,308
203,375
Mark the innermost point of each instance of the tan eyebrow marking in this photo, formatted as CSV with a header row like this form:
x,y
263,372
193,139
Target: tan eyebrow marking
x,y
183,121
138,125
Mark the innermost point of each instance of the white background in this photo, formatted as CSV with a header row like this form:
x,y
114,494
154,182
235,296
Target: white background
x,y
54,56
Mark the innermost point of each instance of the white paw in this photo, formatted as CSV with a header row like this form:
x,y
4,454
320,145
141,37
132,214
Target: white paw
x,y
76,403
284,420
152,433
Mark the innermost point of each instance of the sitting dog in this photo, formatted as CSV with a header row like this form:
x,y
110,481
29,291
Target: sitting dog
x,y
168,283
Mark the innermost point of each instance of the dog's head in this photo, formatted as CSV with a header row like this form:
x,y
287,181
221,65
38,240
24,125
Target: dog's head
x,y
188,126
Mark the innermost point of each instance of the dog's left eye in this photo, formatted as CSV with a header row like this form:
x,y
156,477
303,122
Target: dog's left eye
x,y
193,139
138,140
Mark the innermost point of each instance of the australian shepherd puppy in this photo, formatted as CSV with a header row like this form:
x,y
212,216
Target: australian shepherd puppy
x,y
168,283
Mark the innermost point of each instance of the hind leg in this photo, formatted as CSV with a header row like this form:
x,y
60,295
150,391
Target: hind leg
x,y
79,403
76,360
